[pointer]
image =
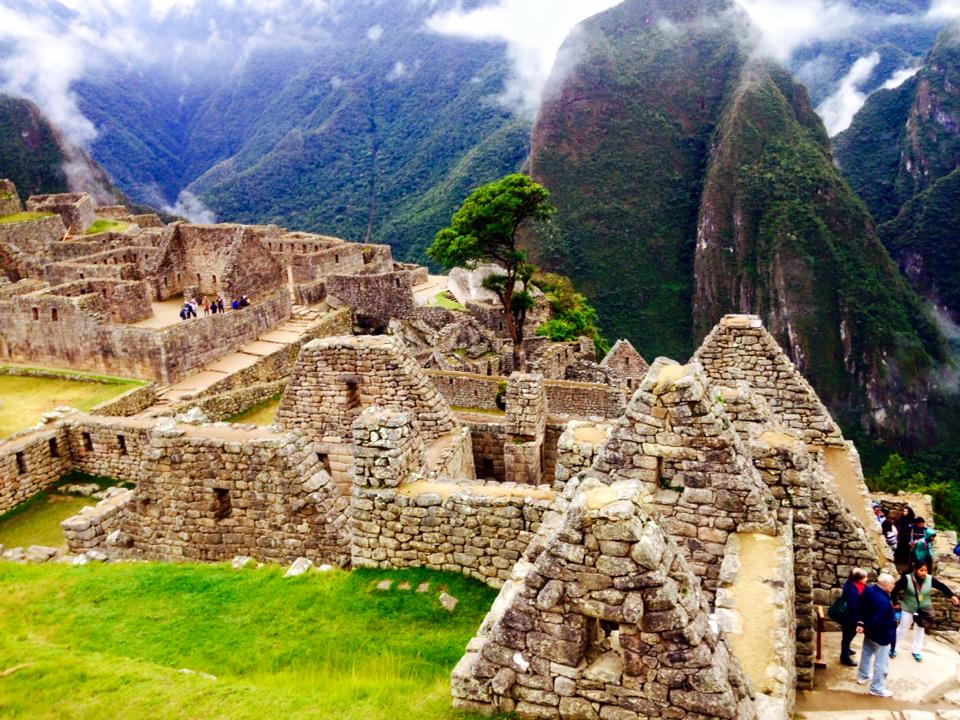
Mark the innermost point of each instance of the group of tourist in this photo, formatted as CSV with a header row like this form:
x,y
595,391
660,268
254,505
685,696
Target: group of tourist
x,y
885,612
211,306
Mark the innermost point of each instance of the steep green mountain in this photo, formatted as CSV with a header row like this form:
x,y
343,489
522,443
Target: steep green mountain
x,y
693,181
375,129
902,155
30,149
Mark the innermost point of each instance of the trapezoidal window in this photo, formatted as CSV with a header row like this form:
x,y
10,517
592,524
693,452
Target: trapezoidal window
x,y
36,313
54,315
54,450
21,464
324,460
222,507
353,394
87,442
122,442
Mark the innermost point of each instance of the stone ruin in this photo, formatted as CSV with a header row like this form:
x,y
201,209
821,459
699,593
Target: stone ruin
x,y
629,551
630,514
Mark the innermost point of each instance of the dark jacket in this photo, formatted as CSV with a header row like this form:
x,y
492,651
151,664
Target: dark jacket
x,y
877,615
852,598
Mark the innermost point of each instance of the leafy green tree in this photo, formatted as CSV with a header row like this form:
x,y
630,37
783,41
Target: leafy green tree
x,y
485,230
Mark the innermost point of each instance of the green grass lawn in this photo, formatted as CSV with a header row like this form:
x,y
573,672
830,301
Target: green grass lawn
x,y
107,641
23,399
100,226
22,217
260,414
38,522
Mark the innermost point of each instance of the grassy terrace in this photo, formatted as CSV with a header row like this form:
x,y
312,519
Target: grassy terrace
x,y
100,226
26,398
260,414
108,641
21,217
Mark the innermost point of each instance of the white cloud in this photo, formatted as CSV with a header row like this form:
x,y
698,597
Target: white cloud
x,y
944,10
900,77
398,72
375,33
533,31
838,110
191,207
788,26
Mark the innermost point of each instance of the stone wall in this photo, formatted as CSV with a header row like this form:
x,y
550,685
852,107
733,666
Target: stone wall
x,y
9,200
603,619
132,402
336,378
564,397
211,495
676,439
75,209
223,406
374,299
24,245
30,464
740,348
187,346
488,439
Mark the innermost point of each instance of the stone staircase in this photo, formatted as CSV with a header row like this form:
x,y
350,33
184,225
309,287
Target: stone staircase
x,y
288,332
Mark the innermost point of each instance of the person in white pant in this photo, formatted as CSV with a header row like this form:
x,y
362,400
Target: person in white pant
x,y
913,593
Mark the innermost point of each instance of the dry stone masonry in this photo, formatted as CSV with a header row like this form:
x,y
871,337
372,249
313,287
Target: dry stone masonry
x,y
659,534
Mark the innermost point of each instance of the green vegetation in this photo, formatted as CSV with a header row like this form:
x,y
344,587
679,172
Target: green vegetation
x,y
102,225
906,172
21,217
444,300
573,316
27,398
263,413
87,641
37,521
30,151
623,148
923,473
486,230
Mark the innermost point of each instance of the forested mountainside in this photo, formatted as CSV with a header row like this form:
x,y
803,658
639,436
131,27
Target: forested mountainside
x,y
693,181
902,155
379,131
37,157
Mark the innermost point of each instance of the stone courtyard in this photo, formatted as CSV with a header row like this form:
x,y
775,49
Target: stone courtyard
x,y
661,534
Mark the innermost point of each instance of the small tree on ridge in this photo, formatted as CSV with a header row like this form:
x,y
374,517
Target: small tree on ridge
x,y
484,230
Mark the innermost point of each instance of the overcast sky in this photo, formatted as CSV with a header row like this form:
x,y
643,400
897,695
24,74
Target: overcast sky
x,y
52,50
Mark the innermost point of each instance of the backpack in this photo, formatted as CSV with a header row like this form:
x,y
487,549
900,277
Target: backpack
x,y
956,550
838,611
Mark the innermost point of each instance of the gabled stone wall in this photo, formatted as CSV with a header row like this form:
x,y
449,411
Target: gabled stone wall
x,y
676,439
740,348
602,619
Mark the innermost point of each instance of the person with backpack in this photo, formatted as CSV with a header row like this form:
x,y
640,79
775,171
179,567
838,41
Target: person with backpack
x,y
913,595
901,555
922,553
848,612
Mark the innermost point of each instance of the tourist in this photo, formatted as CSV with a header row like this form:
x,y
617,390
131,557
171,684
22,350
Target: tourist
x,y
916,605
889,529
235,304
922,553
877,622
905,530
206,307
878,513
852,589
244,301
220,303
